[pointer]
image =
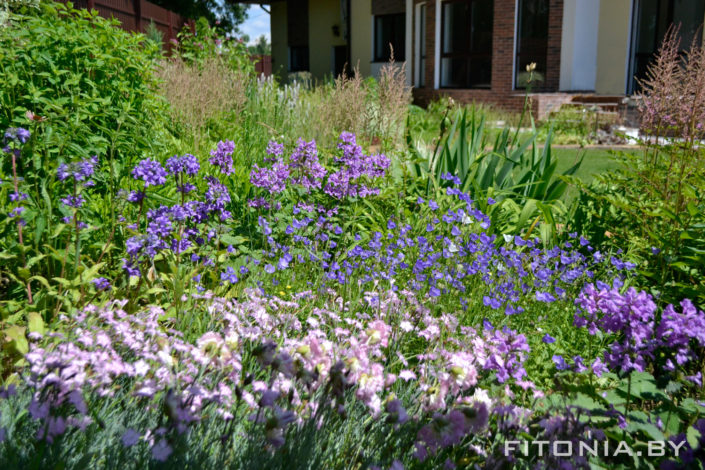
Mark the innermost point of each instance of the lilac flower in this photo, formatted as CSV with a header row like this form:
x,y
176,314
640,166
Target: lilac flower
x,y
18,134
151,172
187,164
135,196
18,197
161,451
275,149
80,171
73,201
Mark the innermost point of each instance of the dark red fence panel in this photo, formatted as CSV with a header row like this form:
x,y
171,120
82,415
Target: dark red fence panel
x,y
135,15
263,64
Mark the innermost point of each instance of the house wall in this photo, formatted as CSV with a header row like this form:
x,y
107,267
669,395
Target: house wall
x,y
280,51
323,15
361,35
614,35
502,91
579,45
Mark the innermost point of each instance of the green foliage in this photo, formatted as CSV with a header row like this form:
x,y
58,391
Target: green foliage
x,y
228,14
83,87
91,83
207,42
519,176
653,206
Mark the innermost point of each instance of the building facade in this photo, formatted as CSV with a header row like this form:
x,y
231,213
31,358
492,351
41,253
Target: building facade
x,y
478,50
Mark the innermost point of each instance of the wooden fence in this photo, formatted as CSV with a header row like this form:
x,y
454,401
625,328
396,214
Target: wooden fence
x,y
263,64
135,15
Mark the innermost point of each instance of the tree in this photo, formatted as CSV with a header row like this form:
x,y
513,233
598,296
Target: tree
x,y
261,46
228,13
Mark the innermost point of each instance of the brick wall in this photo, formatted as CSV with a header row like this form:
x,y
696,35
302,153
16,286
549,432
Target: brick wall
x,y
502,91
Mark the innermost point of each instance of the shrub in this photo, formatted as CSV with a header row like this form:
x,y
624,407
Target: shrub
x,y
92,83
655,204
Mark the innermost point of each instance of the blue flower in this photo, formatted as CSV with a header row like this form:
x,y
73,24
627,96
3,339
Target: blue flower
x,y
229,275
548,339
559,362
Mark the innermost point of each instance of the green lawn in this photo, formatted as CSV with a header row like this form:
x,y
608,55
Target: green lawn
x,y
597,160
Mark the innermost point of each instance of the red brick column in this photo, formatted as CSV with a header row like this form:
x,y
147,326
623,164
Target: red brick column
x,y
503,46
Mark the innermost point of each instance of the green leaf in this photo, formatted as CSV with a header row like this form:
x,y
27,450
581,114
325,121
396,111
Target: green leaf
x,y
35,323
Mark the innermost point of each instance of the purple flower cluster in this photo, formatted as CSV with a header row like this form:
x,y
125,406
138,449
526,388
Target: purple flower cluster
x,y
633,316
151,172
180,226
187,164
444,261
304,169
80,171
13,139
222,156
353,166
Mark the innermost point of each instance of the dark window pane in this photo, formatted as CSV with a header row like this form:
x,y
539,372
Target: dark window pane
x,y
390,30
466,53
652,19
298,59
481,19
455,28
532,41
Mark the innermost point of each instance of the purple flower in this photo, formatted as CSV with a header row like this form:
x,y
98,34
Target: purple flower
x,y
222,156
559,362
548,339
229,275
187,164
130,437
161,451
18,197
275,149
80,171
135,196
18,134
101,283
16,212
151,172
73,201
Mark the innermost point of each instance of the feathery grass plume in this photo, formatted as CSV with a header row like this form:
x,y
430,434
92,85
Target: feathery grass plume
x,y
394,96
220,91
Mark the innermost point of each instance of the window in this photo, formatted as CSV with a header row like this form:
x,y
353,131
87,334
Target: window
x,y
466,43
420,44
389,29
652,18
532,41
298,59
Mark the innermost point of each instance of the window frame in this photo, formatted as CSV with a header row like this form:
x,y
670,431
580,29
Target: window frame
x,y
306,66
400,52
469,55
517,52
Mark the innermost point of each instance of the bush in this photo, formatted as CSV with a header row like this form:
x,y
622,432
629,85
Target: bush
x,y
92,84
655,204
